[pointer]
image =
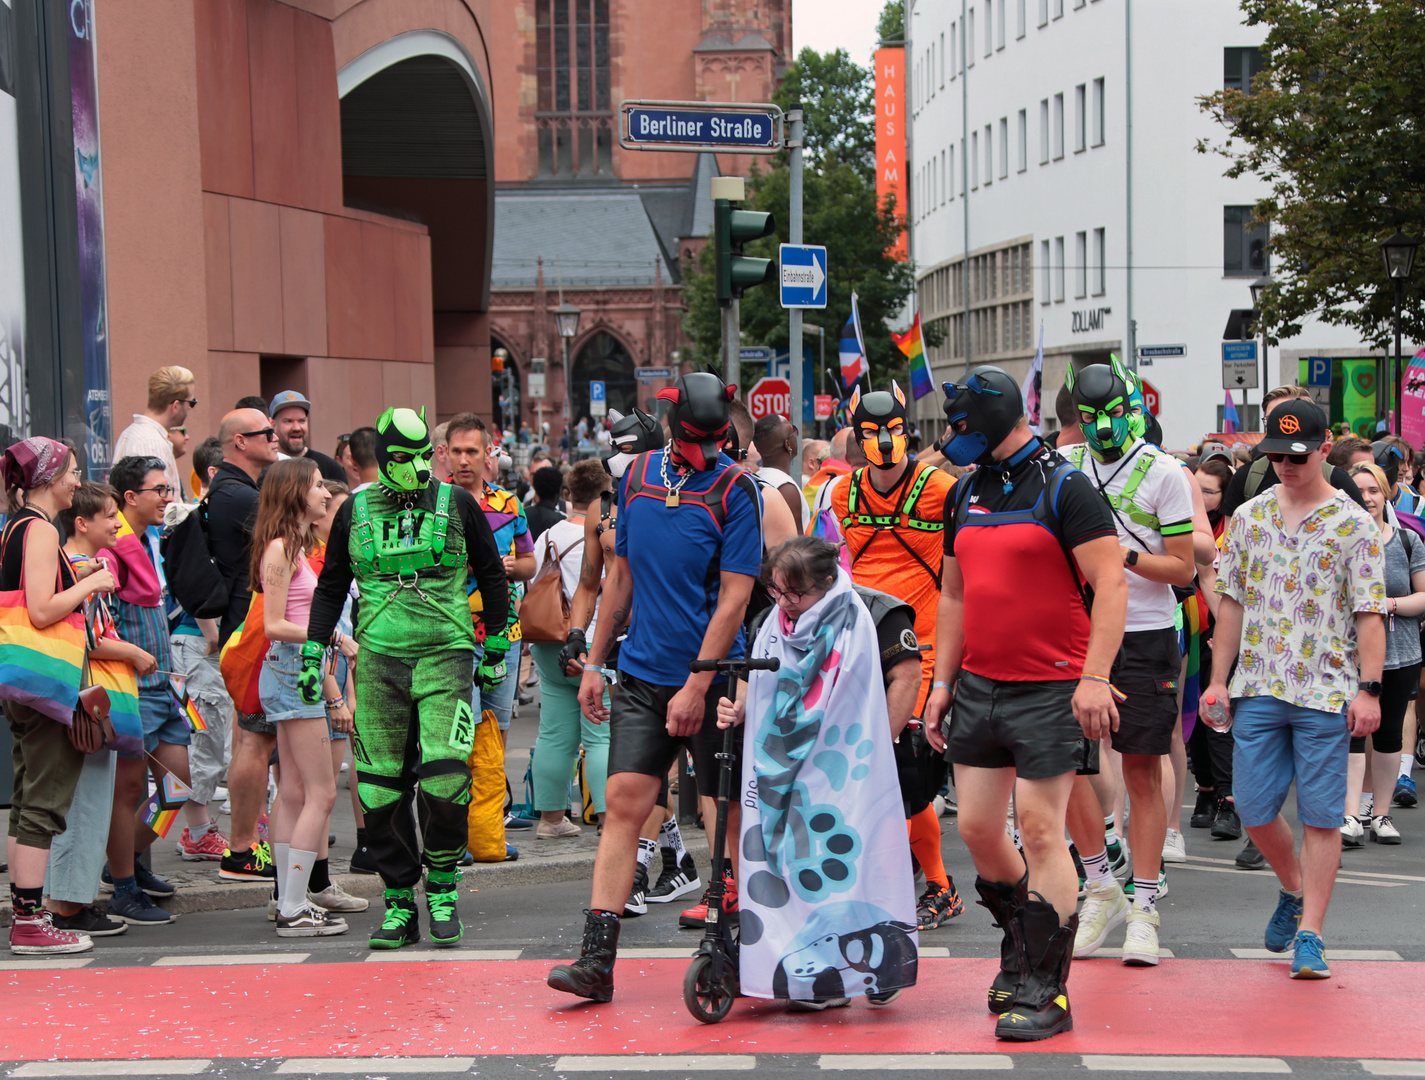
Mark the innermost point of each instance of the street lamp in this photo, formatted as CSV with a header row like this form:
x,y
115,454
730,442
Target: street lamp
x,y
566,321
1398,253
1259,291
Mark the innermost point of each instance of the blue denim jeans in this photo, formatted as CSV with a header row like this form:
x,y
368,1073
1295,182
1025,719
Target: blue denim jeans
x,y
77,855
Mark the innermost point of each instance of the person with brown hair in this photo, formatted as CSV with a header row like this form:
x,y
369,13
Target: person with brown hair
x,y
170,397
40,476
292,501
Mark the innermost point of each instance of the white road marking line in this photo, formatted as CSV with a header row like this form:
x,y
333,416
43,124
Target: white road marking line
x,y
445,957
147,1067
231,959
896,1062
1393,1068
1339,880
56,963
1164,1063
380,1066
1117,954
656,1063
658,954
934,952
1331,954
1354,873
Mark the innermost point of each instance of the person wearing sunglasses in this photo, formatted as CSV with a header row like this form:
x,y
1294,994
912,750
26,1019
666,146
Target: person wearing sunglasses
x,y
170,398
1303,587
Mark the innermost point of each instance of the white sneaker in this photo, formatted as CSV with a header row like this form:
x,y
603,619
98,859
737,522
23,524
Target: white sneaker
x,y
564,828
1140,945
219,793
1383,830
1352,833
817,1006
1174,850
335,898
1104,908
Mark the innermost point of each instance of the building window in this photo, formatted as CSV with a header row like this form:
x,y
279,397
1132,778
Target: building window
x,y
574,117
1079,3
1020,19
1003,147
1100,259
1096,113
1043,12
970,39
999,26
989,154
1081,270
1238,67
990,26
1044,132
1058,269
1081,116
1244,244
954,56
974,161
1044,264
1022,160
1058,126
950,171
942,61
1058,9
944,178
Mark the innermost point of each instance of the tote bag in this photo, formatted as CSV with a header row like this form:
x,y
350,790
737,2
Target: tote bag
x,y
118,679
40,668
544,612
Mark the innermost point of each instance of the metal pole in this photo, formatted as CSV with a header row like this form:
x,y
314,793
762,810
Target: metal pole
x,y
1399,371
732,345
1128,179
568,398
794,315
964,171
1266,376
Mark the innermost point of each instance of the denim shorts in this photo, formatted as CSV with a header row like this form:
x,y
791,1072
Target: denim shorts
x,y
162,722
277,685
501,699
341,673
1274,743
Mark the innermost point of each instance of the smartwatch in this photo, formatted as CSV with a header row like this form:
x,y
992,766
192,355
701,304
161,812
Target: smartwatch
x,y
1132,558
1372,688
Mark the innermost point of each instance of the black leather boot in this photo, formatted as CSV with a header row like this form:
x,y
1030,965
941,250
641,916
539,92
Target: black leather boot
x,y
1004,902
1041,1002
592,975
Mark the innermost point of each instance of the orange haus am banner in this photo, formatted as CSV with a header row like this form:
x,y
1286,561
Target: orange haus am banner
x,y
890,133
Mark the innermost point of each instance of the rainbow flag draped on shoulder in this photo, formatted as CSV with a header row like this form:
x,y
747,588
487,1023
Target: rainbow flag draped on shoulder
x,y
911,345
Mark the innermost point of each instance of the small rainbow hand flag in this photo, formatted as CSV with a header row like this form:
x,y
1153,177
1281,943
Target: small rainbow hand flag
x,y
161,810
190,711
910,344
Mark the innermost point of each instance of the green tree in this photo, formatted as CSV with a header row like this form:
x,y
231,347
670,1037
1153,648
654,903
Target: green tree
x,y
891,28
1332,123
839,210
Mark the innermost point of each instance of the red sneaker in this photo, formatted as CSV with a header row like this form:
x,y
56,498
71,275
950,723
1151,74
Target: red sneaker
x,y
210,846
696,917
35,935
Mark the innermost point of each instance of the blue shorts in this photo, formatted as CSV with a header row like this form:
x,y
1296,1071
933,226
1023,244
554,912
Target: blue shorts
x,y
1275,743
501,700
277,685
162,722
341,673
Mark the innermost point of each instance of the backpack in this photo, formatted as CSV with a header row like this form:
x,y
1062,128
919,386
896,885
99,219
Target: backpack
x,y
544,611
194,579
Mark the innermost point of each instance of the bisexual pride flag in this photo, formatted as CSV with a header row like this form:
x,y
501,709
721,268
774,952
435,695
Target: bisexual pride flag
x,y
911,345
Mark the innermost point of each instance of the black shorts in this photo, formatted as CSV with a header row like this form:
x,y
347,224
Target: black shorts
x,y
1025,726
639,741
1396,687
1146,673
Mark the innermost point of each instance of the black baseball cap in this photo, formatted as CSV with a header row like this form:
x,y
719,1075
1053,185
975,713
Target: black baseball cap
x,y
1294,427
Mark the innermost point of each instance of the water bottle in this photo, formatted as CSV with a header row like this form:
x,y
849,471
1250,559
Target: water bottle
x,y
1214,713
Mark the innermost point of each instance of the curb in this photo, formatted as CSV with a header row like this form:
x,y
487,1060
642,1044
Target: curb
x,y
234,896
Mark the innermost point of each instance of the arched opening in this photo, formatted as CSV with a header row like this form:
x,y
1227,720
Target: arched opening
x,y
603,358
417,144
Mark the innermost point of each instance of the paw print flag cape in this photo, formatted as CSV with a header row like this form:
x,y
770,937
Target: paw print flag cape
x,y
827,898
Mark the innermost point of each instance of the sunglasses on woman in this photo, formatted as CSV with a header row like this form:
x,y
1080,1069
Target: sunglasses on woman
x,y
1295,459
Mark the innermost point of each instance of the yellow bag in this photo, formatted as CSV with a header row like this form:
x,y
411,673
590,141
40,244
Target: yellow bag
x,y
486,813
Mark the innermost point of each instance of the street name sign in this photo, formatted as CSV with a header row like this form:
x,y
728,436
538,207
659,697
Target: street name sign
x,y
803,276
697,126
647,373
755,354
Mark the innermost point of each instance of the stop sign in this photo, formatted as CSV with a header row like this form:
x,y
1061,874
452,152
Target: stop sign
x,y
770,397
1151,399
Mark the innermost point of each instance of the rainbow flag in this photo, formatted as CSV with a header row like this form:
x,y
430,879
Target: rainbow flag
x,y
190,712
161,810
911,345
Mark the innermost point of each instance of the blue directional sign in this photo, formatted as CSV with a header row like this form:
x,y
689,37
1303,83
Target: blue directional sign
x,y
803,276
697,126
1318,371
1238,350
754,354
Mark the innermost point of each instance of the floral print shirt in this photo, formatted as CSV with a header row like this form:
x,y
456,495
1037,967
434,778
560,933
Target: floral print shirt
x,y
1300,593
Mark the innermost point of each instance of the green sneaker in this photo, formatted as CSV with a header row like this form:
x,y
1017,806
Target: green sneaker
x,y
401,926
442,891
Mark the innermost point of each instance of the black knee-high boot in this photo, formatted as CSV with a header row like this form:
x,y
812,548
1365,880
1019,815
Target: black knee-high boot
x,y
1045,948
592,975
1004,902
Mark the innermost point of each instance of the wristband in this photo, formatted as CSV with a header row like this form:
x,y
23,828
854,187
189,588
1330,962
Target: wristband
x,y
940,686
596,669
1118,694
335,703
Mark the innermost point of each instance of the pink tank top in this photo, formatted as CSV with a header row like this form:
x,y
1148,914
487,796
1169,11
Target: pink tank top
x,y
299,593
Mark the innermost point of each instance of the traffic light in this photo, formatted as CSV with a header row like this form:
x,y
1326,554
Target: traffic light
x,y
731,229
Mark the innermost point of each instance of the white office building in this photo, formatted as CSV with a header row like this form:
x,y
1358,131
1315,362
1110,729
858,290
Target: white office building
x,y
1053,148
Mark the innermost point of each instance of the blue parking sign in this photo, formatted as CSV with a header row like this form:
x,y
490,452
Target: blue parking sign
x,y
1318,371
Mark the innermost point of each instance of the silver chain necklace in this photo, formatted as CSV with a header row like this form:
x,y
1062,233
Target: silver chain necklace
x,y
672,498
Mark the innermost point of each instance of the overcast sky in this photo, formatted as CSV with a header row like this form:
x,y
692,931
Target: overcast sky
x,y
830,24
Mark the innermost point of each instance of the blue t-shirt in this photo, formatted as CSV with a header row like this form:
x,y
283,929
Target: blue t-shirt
x,y
676,555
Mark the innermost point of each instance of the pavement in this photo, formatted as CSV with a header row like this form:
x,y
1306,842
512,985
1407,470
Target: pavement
x,y
217,994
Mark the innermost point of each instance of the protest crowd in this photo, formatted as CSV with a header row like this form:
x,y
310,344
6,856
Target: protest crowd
x,y
1039,635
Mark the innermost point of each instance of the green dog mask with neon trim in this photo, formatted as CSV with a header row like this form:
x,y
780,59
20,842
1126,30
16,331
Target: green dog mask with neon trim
x,y
403,450
1097,390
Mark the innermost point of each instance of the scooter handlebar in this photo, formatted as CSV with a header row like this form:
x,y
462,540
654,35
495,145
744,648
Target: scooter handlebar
x,y
769,664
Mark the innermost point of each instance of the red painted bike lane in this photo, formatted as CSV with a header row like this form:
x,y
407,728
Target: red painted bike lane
x,y
1231,1007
